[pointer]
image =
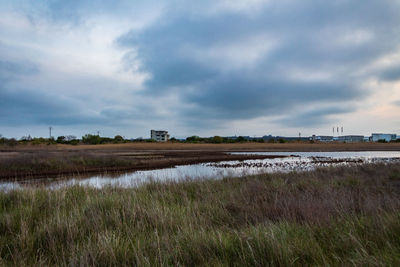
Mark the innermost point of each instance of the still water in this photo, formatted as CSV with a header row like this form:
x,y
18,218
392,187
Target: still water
x,y
295,161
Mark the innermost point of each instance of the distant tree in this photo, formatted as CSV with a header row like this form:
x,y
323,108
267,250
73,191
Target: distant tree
x,y
91,139
70,137
217,139
12,142
73,142
61,139
193,138
24,139
118,139
240,139
39,141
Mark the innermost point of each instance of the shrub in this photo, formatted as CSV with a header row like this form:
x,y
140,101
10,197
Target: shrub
x,y
91,139
118,139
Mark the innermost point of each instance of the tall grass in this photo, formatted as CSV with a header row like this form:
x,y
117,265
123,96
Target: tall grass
x,y
337,216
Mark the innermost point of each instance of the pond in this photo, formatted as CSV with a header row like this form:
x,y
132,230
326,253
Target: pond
x,y
295,161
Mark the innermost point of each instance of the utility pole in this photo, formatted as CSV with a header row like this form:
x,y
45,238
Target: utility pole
x,y
50,131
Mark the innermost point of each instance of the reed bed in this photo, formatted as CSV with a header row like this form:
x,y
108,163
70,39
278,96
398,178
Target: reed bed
x,y
332,216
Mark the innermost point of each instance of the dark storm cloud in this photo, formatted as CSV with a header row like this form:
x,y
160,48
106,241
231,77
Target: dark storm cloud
x,y
337,38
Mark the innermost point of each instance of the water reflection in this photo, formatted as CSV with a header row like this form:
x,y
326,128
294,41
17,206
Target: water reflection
x,y
334,155
295,161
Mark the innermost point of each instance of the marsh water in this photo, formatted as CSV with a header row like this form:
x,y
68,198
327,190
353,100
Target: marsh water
x,y
294,161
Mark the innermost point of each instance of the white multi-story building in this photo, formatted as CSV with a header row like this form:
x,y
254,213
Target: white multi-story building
x,y
381,136
159,135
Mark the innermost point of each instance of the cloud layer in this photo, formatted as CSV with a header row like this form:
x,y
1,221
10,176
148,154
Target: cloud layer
x,y
196,69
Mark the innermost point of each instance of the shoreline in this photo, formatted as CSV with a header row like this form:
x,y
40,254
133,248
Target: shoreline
x,y
139,165
36,162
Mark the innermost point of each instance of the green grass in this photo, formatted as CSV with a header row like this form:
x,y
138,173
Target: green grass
x,y
336,216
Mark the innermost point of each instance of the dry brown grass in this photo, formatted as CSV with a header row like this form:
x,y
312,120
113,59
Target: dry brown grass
x,y
294,146
51,164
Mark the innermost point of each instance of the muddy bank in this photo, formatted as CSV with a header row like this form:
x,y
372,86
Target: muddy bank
x,y
45,164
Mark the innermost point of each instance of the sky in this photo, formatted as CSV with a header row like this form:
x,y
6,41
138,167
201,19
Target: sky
x,y
210,67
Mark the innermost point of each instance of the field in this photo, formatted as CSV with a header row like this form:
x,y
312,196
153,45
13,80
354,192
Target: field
x,y
31,161
334,216
245,146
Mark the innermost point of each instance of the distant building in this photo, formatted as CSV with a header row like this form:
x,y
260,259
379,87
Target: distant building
x,y
383,137
351,138
322,138
159,135
367,138
267,138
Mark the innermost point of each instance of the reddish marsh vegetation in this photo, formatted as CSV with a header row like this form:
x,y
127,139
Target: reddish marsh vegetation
x,y
49,164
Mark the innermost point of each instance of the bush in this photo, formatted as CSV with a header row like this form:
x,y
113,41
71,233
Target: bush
x,y
91,139
194,139
240,139
118,139
60,139
217,140
73,142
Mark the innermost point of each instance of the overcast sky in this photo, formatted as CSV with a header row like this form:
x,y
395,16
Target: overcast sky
x,y
210,67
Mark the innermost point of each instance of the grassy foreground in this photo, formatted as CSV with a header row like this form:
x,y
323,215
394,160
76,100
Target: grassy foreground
x,y
337,216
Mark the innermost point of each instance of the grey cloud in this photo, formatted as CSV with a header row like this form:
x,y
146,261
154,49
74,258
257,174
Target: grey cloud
x,y
12,69
391,74
211,62
315,35
314,117
75,12
24,107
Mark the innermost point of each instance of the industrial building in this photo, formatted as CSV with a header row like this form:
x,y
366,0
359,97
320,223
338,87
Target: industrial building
x,y
322,138
343,138
351,138
159,135
383,137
